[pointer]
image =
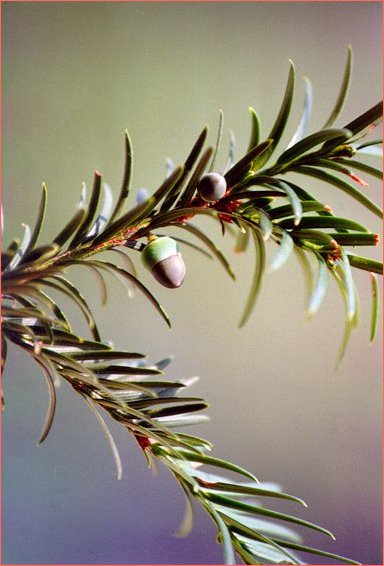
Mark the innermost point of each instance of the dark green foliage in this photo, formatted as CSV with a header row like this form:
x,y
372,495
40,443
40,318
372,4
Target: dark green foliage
x,y
260,204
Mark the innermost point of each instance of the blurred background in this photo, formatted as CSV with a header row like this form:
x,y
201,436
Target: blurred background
x,y
75,75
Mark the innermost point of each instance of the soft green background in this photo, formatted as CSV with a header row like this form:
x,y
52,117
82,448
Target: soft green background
x,y
75,75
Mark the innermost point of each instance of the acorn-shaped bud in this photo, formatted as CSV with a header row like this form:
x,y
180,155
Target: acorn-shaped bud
x,y
163,259
212,187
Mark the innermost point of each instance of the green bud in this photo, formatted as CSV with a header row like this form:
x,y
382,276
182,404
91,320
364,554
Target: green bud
x,y
162,258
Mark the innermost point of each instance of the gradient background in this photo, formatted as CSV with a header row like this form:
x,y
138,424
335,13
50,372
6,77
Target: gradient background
x,y
75,75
